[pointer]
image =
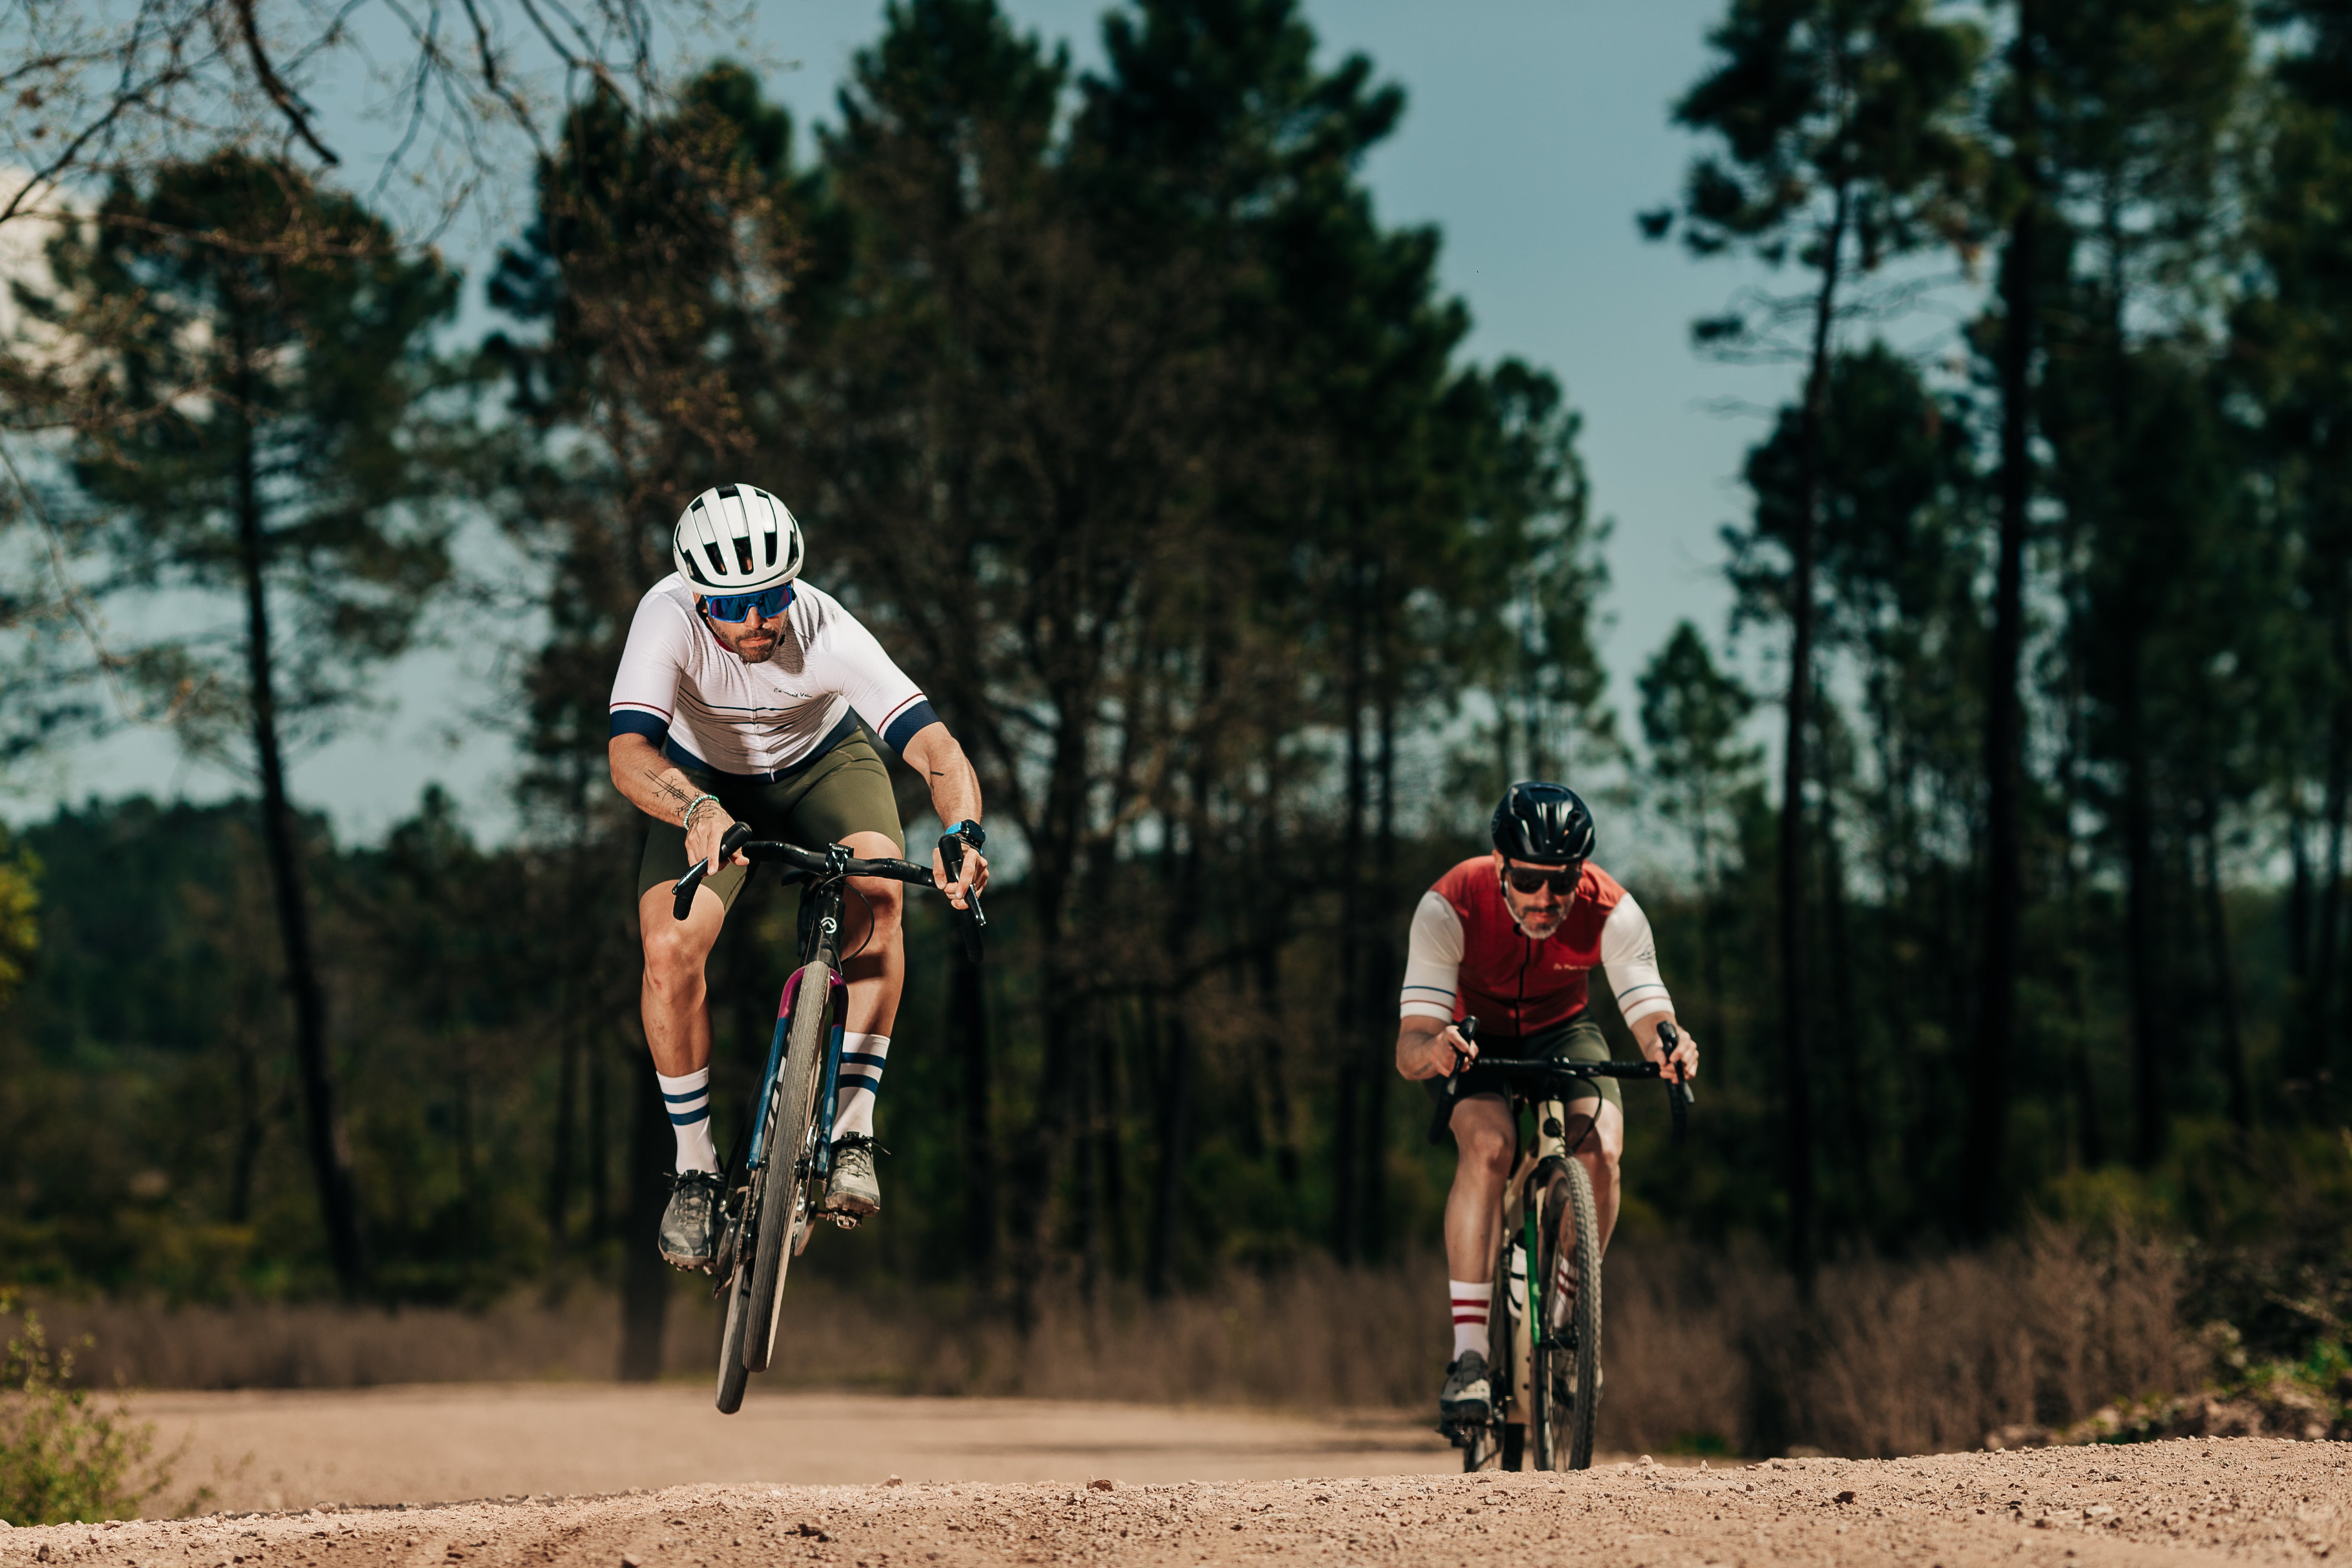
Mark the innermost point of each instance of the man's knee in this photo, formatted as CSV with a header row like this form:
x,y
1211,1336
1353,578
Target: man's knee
x,y
673,956
1485,1147
1598,1143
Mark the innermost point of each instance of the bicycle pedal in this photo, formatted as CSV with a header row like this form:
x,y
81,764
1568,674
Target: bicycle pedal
x,y
846,1221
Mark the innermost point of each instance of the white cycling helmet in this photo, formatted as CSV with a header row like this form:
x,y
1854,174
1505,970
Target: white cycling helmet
x,y
736,539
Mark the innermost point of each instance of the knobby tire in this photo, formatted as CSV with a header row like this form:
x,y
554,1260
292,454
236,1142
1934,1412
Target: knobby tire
x,y
789,1201
732,1374
1567,1374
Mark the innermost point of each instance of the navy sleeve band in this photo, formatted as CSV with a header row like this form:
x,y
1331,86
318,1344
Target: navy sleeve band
x,y
632,721
909,724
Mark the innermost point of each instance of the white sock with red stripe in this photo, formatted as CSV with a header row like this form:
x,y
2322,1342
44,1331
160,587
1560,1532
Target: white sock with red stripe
x,y
1471,1299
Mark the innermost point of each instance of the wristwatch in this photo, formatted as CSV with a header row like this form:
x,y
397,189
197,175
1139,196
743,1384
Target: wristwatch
x,y
971,832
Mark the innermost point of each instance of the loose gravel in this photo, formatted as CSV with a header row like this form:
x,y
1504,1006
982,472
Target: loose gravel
x,y
2198,1501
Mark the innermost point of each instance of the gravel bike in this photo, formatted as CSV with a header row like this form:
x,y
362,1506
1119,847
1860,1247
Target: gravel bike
x,y
775,1192
1547,1319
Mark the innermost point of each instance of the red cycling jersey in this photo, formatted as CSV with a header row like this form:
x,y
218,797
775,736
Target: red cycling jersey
x,y
1513,985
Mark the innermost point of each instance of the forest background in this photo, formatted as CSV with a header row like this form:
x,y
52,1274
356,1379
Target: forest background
x,y
1155,458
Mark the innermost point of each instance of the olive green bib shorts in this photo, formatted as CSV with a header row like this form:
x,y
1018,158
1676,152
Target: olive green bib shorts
x,y
843,790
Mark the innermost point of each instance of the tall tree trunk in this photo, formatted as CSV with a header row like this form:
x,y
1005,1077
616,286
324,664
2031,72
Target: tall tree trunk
x,y
2143,896
250,1124
968,1037
1796,1010
1272,902
1347,1219
1853,1122
2325,954
1982,1170
645,1277
331,1159
1173,1115
600,1146
2225,974
1381,973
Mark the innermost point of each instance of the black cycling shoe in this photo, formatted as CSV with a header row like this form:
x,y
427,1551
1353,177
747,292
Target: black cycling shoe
x,y
1466,1396
690,1226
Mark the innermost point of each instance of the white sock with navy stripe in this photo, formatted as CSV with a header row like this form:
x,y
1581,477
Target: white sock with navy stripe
x,y
862,1058
688,1101
1471,1299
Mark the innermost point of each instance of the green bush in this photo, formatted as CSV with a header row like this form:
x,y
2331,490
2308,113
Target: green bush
x,y
63,1455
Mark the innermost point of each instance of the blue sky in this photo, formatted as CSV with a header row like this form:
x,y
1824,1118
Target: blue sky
x,y
1534,130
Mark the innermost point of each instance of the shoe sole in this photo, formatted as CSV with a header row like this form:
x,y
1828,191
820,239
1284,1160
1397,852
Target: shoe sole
x,y
853,1206
1465,1410
692,1265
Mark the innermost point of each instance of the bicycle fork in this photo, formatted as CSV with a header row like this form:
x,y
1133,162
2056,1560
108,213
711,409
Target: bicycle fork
x,y
839,1009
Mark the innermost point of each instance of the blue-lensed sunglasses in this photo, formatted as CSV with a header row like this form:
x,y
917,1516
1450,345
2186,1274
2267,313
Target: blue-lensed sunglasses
x,y
769,601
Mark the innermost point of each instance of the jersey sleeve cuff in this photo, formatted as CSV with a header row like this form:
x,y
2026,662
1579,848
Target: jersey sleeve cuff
x,y
1439,1011
636,722
1645,1008
910,723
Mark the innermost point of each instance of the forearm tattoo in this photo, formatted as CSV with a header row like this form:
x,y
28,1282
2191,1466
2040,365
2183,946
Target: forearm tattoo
x,y
677,797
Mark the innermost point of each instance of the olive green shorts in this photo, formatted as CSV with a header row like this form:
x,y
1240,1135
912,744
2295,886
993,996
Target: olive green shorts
x,y
845,791
1579,1039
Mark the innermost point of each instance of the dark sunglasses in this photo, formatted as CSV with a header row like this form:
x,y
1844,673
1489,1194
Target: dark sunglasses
x,y
1535,879
769,601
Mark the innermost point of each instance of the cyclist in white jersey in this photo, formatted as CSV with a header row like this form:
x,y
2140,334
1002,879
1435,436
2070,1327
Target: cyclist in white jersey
x,y
746,695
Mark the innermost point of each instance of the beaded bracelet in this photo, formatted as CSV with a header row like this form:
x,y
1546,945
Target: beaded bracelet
x,y
685,822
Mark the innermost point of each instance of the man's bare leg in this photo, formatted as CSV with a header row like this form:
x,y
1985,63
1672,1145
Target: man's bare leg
x,y
1484,1141
672,999
1599,1152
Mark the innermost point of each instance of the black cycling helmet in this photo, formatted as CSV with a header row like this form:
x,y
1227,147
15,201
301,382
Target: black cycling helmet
x,y
1543,823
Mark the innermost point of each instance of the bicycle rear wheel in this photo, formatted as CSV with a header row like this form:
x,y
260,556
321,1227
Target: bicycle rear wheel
x,y
789,1200
1568,1366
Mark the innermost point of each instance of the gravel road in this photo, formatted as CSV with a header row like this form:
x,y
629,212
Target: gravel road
x,y
2243,1500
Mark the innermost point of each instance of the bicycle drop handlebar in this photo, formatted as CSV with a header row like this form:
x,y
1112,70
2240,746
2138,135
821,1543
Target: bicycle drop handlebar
x,y
1556,1077
835,862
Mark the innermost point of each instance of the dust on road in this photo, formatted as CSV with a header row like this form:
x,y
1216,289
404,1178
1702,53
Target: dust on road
x,y
2186,1503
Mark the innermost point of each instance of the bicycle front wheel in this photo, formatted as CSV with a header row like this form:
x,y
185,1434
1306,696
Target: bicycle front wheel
x,y
1568,1366
790,1199
732,1374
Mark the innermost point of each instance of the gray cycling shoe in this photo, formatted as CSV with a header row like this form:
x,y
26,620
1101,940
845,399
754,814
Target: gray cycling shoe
x,y
690,1226
1466,1397
854,1190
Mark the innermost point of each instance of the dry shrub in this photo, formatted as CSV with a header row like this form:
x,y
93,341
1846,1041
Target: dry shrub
x,y
1705,1347
1674,1333
1319,1337
328,1345
1908,1358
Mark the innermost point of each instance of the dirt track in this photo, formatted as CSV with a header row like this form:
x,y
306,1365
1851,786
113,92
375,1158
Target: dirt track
x,y
2180,1502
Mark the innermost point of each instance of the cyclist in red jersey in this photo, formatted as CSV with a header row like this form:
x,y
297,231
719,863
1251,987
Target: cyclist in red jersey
x,y
1509,939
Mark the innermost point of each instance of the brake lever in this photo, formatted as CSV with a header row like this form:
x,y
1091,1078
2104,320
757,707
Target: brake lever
x,y
1679,1098
682,894
1468,1028
971,921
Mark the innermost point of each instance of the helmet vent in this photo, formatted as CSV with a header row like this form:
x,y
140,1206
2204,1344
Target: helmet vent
x,y
718,562
772,547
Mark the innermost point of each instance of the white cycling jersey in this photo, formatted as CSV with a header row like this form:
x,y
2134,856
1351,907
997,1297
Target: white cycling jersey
x,y
696,699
